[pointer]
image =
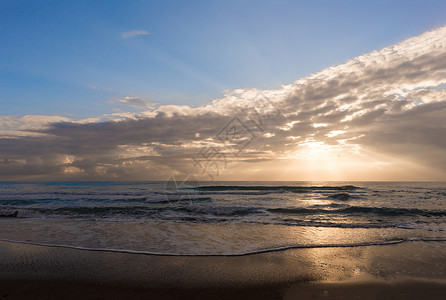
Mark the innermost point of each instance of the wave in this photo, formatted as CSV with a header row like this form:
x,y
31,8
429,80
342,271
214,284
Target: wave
x,y
173,205
197,205
70,202
173,199
93,195
220,211
246,253
6,196
202,215
340,196
382,211
70,193
293,189
82,212
22,200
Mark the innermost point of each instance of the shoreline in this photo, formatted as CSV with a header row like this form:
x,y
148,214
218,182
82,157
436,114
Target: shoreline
x,y
233,254
40,272
128,251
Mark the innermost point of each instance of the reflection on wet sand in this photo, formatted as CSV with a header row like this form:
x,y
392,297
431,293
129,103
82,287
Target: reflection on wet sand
x,y
276,274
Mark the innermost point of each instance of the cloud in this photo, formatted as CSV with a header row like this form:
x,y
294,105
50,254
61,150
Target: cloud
x,y
135,102
379,116
133,34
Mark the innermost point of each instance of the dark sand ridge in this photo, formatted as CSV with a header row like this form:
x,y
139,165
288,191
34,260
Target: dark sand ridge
x,y
410,270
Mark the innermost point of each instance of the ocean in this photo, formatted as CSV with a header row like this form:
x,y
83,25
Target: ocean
x,y
220,218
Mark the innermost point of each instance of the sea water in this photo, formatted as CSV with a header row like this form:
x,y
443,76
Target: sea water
x,y
220,218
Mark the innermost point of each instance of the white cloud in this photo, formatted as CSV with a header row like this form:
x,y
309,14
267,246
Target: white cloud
x,y
133,33
388,105
136,102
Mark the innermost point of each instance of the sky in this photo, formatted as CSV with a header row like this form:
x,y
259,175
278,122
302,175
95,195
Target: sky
x,y
222,90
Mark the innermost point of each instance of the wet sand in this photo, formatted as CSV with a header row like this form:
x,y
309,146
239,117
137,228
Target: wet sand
x,y
410,270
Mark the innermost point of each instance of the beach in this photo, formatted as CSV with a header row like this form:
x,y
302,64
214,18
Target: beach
x,y
223,150
409,270
245,240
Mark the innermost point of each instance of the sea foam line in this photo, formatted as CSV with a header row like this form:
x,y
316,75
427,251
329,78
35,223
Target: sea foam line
x,y
129,251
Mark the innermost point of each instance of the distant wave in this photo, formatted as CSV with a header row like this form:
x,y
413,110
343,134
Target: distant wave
x,y
176,199
293,189
148,198
190,203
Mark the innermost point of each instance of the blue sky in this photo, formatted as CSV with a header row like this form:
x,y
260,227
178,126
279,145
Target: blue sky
x,y
141,90
71,57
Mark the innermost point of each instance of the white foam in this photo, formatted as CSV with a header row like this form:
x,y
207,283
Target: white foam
x,y
185,238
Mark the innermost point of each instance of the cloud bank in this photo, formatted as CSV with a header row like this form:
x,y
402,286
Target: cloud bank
x,y
379,116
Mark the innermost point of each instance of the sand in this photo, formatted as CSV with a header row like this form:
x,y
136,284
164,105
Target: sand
x,y
411,270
